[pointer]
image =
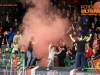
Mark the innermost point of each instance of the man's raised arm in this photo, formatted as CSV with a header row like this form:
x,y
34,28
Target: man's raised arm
x,y
88,39
35,42
72,38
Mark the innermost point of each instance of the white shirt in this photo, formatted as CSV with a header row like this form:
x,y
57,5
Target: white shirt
x,y
7,18
15,47
17,36
52,53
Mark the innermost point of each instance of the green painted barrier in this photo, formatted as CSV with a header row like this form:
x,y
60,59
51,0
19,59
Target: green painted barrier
x,y
67,60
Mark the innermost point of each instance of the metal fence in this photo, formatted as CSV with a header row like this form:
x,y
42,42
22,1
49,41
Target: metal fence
x,y
12,64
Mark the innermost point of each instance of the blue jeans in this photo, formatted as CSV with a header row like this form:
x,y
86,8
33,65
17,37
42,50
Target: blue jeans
x,y
72,62
3,48
9,42
31,58
87,62
79,58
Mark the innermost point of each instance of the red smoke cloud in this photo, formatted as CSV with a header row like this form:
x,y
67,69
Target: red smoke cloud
x,y
46,26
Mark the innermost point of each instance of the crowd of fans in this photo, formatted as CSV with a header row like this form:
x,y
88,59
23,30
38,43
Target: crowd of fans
x,y
10,32
80,25
10,35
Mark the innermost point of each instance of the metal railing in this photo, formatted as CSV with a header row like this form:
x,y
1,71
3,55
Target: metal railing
x,y
7,63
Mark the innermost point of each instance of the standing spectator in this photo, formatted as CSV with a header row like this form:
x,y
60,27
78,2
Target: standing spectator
x,y
97,30
64,5
88,54
0,34
69,2
96,22
86,25
10,13
51,55
1,23
29,53
74,34
4,42
17,14
89,32
7,16
80,31
15,25
79,22
75,13
64,13
62,55
91,2
95,43
9,25
70,8
76,3
10,36
84,18
17,36
93,28
72,21
80,51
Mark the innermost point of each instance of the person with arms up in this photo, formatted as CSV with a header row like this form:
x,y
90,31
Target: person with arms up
x,y
80,55
51,56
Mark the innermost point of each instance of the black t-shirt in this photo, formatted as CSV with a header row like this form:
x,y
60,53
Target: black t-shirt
x,y
5,39
80,45
63,52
